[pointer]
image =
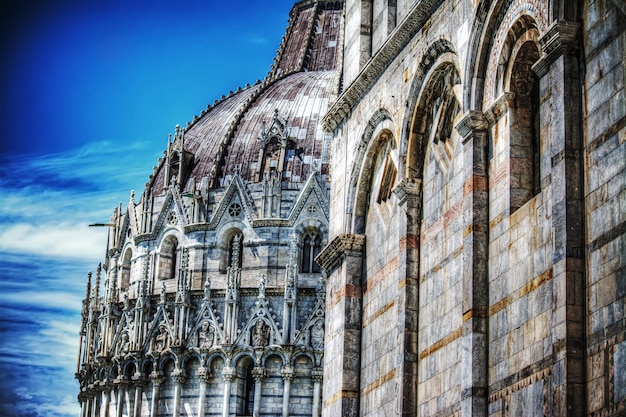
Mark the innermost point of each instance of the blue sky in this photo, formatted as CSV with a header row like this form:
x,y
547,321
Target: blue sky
x,y
90,91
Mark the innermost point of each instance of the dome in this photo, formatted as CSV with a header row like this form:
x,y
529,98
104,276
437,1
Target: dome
x,y
270,128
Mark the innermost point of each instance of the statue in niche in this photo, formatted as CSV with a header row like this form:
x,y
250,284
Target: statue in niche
x,y
162,339
260,334
317,335
205,335
123,347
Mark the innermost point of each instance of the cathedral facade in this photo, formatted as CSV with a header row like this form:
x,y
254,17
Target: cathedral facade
x,y
419,212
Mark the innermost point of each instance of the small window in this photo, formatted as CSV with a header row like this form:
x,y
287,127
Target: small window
x,y
311,247
168,258
387,181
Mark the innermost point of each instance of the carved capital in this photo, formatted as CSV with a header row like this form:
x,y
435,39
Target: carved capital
x,y
471,122
228,373
179,376
561,37
138,380
317,374
258,373
204,374
499,107
156,377
287,373
408,187
344,244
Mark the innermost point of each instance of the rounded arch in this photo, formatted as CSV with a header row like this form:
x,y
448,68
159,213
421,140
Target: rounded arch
x,y
165,359
273,353
213,357
125,268
436,108
168,256
489,29
190,356
242,357
231,247
299,354
379,132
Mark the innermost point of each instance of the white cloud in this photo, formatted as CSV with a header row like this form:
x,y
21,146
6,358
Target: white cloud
x,y
60,240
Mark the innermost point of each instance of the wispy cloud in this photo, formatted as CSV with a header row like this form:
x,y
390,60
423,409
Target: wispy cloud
x,y
46,249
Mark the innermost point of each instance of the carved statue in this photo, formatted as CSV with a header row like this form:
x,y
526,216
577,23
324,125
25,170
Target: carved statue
x,y
205,335
262,286
260,334
123,347
317,335
162,339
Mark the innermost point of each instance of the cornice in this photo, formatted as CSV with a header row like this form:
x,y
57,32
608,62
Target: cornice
x,y
333,254
381,60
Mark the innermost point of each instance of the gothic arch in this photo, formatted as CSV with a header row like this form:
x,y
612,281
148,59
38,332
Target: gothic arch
x,y
378,133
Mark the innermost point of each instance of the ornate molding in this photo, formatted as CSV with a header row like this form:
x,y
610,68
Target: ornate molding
x,y
375,67
332,255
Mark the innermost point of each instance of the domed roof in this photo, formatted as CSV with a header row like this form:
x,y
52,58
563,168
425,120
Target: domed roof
x,y
245,131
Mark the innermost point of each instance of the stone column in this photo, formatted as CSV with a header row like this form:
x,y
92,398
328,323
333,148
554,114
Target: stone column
x,y
287,373
179,377
156,378
258,373
408,192
317,375
138,382
121,393
342,259
559,75
475,322
106,400
227,373
204,375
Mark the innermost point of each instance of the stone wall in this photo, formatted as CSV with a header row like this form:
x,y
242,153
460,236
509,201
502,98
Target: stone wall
x,y
499,254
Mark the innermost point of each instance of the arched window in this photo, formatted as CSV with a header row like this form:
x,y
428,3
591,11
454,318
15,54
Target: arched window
x,y
125,270
231,249
524,127
311,247
168,258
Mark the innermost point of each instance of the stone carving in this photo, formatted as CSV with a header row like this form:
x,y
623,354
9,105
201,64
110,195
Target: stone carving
x,y
260,334
161,339
317,335
206,335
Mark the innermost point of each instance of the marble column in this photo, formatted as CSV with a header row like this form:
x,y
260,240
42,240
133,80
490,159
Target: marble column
x,y
287,373
204,375
138,382
156,378
317,375
121,393
227,373
258,373
179,378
